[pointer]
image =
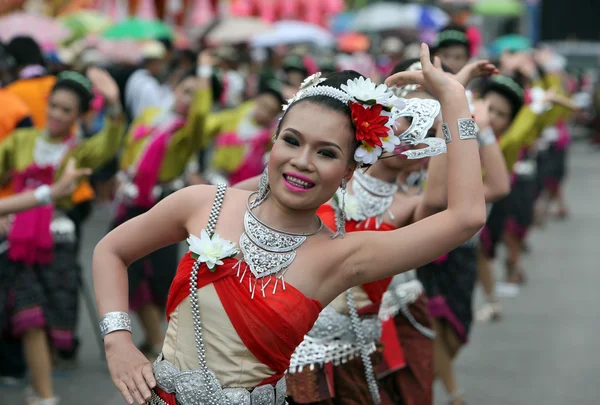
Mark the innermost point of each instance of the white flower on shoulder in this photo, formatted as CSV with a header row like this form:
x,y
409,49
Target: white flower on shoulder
x,y
366,92
211,250
390,143
367,154
312,80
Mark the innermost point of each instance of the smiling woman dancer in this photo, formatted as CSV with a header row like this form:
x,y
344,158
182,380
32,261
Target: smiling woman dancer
x,y
231,341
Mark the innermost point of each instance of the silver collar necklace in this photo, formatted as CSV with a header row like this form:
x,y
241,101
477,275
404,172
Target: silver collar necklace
x,y
375,196
268,251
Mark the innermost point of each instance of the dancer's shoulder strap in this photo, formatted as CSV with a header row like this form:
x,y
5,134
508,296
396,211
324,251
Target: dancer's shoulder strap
x,y
216,209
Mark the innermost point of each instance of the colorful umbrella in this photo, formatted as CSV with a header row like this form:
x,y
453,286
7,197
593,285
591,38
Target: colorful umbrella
x,y
237,30
293,32
499,8
85,22
341,22
43,29
394,16
136,28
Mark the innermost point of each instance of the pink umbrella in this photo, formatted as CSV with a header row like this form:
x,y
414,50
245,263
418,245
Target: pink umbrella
x,y
42,29
313,12
290,10
241,8
202,13
146,10
268,10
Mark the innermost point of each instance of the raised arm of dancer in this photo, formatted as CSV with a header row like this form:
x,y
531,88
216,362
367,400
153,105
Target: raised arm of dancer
x,y
375,255
473,70
496,183
165,224
45,194
100,148
435,196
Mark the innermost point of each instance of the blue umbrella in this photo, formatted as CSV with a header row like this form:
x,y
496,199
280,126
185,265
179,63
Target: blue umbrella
x,y
342,22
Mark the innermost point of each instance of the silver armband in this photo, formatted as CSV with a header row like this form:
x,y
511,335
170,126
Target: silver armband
x,y
114,321
467,128
446,133
42,194
486,137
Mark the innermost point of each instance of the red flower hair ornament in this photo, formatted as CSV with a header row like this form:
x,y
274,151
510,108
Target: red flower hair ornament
x,y
374,112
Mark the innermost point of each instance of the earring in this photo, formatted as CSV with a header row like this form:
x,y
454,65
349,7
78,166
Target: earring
x,y
340,212
263,188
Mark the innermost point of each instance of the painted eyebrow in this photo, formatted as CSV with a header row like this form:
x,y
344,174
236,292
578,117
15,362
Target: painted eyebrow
x,y
325,143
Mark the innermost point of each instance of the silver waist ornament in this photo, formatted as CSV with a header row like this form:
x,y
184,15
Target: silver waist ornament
x,y
374,196
364,349
267,251
332,340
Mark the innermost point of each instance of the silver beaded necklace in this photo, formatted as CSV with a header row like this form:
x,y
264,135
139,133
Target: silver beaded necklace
x,y
375,196
267,251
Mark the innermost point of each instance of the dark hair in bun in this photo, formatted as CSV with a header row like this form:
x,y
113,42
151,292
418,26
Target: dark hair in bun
x,y
78,84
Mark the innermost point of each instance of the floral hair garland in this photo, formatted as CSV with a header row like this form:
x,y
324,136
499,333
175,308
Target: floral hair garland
x,y
371,107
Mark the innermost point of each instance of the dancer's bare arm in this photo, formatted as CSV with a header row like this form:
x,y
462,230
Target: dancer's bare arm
x,y
163,225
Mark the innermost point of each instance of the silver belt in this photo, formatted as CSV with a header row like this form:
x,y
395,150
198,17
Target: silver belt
x,y
332,340
192,388
404,290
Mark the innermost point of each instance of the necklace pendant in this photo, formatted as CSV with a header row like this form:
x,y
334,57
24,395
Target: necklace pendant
x,y
263,263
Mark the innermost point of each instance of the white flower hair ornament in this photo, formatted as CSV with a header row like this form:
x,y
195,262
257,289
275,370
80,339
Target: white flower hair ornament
x,y
374,113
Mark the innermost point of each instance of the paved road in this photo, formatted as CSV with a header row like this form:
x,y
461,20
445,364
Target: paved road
x,y
545,351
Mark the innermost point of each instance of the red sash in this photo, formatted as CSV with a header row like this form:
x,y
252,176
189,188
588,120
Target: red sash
x,y
270,327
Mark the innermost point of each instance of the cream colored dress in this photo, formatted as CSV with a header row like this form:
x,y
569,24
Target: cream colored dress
x,y
226,355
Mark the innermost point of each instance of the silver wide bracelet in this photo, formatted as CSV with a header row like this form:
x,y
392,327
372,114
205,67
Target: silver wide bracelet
x,y
43,194
486,137
114,321
446,133
467,128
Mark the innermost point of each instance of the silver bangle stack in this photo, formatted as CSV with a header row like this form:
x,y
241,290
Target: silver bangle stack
x,y
114,321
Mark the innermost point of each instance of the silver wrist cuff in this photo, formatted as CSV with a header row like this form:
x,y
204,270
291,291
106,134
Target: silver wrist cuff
x,y
486,137
42,194
446,133
114,321
467,128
